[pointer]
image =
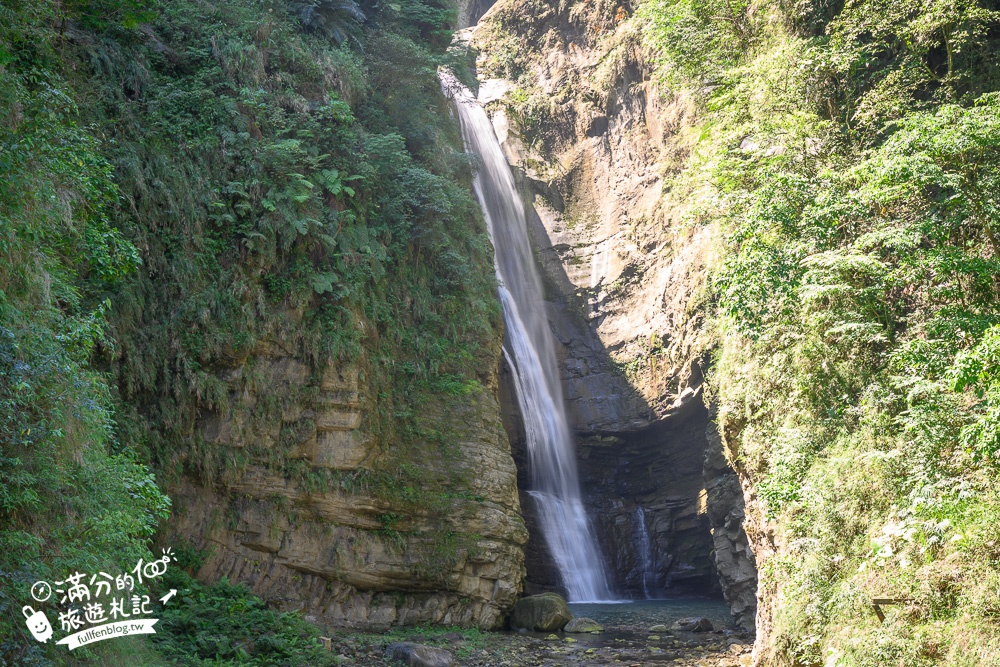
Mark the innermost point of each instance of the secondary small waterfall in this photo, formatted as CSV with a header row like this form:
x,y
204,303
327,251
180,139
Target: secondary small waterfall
x,y
530,352
645,550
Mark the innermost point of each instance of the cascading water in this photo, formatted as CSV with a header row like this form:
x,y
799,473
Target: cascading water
x,y
529,351
645,550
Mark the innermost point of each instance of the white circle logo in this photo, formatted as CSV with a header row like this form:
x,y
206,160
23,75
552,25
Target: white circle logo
x,y
41,591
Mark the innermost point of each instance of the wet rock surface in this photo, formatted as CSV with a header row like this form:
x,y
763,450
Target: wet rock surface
x,y
634,635
418,655
544,613
633,646
657,469
692,624
583,625
645,489
734,559
621,271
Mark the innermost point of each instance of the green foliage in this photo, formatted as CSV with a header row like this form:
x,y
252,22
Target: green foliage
x,y
182,181
105,14
72,496
429,21
893,57
277,196
699,40
978,369
224,624
333,18
852,152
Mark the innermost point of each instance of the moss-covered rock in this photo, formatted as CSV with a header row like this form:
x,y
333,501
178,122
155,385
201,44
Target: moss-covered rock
x,y
544,613
583,625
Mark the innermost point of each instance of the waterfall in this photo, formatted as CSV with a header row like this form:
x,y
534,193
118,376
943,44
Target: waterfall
x,y
645,550
529,350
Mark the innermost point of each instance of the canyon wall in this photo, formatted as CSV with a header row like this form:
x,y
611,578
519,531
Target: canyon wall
x,y
244,266
438,540
334,514
594,142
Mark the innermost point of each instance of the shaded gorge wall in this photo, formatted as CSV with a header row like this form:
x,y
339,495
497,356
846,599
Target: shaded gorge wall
x,y
647,497
659,469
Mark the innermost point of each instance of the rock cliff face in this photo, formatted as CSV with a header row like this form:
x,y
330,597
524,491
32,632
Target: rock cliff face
x,y
734,557
595,141
321,520
647,498
328,515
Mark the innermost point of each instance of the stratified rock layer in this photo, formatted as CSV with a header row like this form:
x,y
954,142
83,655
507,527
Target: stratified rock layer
x,y
316,517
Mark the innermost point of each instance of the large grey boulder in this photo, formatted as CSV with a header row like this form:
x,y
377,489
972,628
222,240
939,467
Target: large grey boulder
x,y
418,655
545,613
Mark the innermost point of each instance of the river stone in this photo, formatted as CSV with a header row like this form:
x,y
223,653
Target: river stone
x,y
658,628
693,624
544,613
582,625
418,655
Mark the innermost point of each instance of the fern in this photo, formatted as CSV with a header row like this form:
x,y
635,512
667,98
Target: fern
x,y
334,18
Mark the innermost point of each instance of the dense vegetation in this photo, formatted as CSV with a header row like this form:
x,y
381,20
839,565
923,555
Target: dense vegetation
x,y
224,624
180,181
183,180
853,156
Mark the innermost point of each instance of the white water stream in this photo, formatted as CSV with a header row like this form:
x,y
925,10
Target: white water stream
x,y
528,346
645,550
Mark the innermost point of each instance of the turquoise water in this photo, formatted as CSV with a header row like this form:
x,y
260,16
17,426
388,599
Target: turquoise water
x,y
646,613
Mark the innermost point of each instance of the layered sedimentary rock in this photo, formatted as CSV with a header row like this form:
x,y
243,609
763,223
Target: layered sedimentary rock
x,y
316,516
594,142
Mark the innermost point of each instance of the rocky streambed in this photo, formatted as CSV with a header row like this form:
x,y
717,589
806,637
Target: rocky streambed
x,y
631,636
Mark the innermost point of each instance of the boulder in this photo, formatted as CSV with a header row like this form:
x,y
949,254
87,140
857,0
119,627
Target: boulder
x,y
693,624
583,625
418,655
545,613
